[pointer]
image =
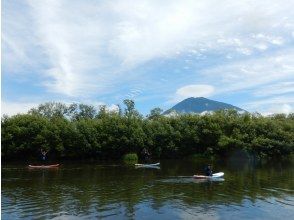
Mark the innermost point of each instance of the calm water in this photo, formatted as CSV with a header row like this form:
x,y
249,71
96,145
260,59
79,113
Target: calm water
x,y
114,191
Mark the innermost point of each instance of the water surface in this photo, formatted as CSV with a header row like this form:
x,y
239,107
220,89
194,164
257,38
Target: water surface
x,y
116,191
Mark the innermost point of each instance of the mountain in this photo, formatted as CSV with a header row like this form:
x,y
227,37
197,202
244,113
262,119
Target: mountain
x,y
199,105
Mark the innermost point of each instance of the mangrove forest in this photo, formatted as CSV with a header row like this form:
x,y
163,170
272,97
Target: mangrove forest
x,y
79,131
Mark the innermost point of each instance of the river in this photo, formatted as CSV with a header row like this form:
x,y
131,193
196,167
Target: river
x,y
116,191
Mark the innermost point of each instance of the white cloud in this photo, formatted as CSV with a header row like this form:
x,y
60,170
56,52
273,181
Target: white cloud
x,y
255,73
18,51
275,89
284,108
244,51
268,106
13,108
274,100
195,91
192,91
261,46
85,46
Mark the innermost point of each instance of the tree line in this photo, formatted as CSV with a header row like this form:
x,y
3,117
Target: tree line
x,y
79,131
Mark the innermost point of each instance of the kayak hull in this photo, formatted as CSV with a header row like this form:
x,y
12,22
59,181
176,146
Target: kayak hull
x,y
44,166
147,165
215,175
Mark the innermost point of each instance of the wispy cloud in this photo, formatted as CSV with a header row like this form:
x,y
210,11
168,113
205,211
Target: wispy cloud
x,y
275,89
78,36
85,49
18,38
254,73
278,104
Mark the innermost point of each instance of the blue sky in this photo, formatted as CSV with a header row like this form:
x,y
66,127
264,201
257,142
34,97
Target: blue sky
x,y
154,52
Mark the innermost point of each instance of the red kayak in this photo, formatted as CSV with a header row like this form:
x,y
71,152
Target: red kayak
x,y
44,166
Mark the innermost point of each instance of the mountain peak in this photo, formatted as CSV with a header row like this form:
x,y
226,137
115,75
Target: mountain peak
x,y
200,105
195,98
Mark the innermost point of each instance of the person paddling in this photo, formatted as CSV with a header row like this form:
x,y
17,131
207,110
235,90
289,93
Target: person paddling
x,y
44,156
208,170
146,155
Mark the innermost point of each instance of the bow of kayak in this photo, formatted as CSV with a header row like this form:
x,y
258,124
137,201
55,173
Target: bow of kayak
x,y
44,166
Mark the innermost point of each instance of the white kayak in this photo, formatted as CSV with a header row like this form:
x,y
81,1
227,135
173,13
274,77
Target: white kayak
x,y
147,164
215,175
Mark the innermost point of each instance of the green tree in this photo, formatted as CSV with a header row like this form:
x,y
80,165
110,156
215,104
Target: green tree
x,y
130,110
50,110
155,113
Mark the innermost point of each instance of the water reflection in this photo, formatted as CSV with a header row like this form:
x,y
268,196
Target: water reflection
x,y
188,179
117,191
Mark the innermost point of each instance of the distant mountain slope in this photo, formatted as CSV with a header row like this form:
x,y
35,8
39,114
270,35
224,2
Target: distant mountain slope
x,y
199,105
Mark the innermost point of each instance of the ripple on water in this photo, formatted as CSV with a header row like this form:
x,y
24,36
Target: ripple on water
x,y
188,179
286,201
61,216
284,190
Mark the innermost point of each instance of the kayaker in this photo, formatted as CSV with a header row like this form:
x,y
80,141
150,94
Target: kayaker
x,y
146,155
44,156
208,170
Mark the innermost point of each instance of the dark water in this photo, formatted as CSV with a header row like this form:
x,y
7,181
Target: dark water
x,y
114,191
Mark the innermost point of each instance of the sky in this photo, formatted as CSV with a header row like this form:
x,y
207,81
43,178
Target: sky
x,y
154,52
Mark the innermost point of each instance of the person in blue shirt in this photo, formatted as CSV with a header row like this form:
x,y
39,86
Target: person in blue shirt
x,y
44,156
208,170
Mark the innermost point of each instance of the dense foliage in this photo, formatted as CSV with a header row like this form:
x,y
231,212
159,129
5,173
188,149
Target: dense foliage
x,y
79,131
